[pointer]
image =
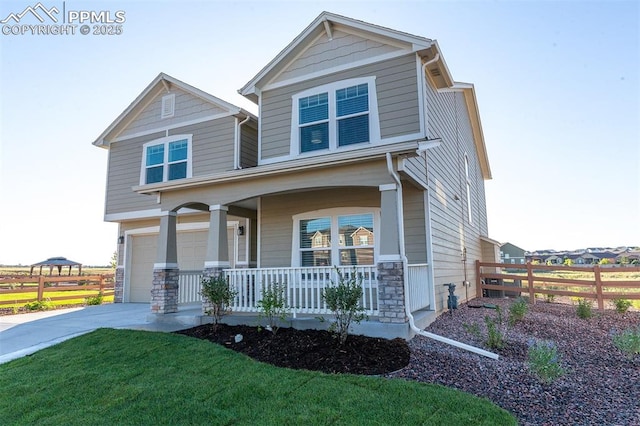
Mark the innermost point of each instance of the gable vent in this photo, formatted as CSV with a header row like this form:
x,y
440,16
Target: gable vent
x,y
168,106
435,72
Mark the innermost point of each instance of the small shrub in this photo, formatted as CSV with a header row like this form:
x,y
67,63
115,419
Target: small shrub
x,y
550,297
544,360
343,299
495,335
628,342
95,300
217,291
273,305
518,310
41,305
584,308
472,329
622,305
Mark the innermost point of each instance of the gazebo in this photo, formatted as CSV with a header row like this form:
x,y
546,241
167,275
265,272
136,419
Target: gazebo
x,y
57,262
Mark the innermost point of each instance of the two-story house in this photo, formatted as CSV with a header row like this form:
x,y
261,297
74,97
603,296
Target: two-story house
x,y
365,157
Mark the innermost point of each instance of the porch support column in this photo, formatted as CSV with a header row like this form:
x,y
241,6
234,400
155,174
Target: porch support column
x,y
390,263
217,258
164,289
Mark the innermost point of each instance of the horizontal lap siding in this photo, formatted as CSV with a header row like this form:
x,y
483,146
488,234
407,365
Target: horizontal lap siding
x,y
276,223
397,93
416,167
213,145
414,225
249,145
187,107
450,227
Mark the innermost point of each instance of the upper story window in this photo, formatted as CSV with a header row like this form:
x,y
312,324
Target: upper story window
x,y
166,159
335,115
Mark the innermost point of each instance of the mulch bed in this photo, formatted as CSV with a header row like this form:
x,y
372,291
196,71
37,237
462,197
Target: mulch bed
x,y
309,349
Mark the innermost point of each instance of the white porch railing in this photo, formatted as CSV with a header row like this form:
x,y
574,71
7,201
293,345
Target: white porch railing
x,y
419,287
304,287
189,286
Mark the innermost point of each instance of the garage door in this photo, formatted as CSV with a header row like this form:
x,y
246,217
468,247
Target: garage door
x,y
192,248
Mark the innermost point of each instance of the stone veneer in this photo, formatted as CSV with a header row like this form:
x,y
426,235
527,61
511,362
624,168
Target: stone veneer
x,y
164,291
391,292
118,285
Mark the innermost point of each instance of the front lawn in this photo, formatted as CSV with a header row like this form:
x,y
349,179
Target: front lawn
x,y
136,377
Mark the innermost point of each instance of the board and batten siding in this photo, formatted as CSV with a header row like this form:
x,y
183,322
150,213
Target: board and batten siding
x,y
342,49
187,107
397,94
451,229
276,222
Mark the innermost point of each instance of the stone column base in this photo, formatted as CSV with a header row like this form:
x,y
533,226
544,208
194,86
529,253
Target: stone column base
x,y
118,285
391,292
164,291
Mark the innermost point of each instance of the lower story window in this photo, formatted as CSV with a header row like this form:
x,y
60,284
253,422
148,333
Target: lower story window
x,y
338,239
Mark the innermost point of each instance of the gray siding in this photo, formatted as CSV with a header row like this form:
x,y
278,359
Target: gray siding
x,y
416,169
276,223
212,145
414,224
249,145
451,229
187,107
343,49
397,93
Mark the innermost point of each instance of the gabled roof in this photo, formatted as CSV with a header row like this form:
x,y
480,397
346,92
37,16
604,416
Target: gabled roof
x,y
163,82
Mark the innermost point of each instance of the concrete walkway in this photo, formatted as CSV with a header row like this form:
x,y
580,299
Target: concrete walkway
x,y
24,334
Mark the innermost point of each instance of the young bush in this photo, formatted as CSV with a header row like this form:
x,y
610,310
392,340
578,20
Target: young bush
x,y
622,305
273,305
584,308
518,310
95,300
217,291
343,299
495,334
42,305
544,360
628,342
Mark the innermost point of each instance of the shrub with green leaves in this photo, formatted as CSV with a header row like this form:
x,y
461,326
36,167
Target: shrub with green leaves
x,y
39,305
584,308
219,294
544,360
495,333
518,310
628,342
343,299
273,305
622,305
95,300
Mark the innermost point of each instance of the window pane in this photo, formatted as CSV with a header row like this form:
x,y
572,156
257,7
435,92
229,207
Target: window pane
x,y
355,229
178,170
154,174
353,130
178,150
315,258
315,233
314,137
356,257
313,108
352,100
155,155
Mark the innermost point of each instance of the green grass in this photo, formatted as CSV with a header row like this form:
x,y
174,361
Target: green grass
x,y
136,377
74,297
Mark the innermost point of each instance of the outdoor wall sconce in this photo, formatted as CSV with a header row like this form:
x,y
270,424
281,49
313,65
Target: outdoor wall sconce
x,y
240,230
121,239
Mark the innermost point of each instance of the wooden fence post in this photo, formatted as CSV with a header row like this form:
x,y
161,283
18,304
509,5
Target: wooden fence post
x,y
478,279
596,272
40,288
101,284
532,295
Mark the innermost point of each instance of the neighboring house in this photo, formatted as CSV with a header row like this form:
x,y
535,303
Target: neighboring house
x,y
365,155
510,253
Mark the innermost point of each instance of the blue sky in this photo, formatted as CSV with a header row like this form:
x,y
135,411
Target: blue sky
x,y
557,87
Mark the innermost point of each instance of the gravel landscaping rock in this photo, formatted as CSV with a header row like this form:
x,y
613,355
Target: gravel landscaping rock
x,y
601,385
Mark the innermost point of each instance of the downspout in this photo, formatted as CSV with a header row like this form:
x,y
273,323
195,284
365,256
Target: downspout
x,y
237,142
405,267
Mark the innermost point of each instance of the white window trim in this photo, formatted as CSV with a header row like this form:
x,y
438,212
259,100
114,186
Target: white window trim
x,y
168,108
468,184
331,88
333,214
166,141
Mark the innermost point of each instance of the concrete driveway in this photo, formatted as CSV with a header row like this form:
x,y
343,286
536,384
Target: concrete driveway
x,y
24,334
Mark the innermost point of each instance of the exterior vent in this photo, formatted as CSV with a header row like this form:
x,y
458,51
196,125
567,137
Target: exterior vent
x,y
168,106
435,72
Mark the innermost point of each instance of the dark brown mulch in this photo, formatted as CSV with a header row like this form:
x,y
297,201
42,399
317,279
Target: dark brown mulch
x,y
309,349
